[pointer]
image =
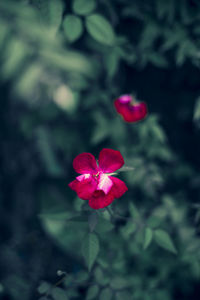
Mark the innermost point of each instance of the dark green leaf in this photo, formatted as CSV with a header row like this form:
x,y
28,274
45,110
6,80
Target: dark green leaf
x,y
44,287
106,294
59,294
90,249
103,225
118,283
83,7
154,221
101,277
196,116
100,29
92,221
134,211
73,27
92,292
163,239
148,234
123,295
50,12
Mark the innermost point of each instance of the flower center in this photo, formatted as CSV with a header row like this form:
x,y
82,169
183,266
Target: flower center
x,y
104,182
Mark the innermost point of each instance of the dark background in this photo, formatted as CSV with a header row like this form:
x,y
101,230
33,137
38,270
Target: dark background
x,y
57,92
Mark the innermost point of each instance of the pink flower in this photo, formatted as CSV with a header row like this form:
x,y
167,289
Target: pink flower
x,y
129,109
95,182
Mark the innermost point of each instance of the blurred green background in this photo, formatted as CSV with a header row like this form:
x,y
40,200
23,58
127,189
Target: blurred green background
x,y
62,64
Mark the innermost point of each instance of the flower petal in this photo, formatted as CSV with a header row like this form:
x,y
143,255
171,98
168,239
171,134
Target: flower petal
x,y
110,160
84,188
73,184
118,188
83,177
100,200
131,112
125,99
136,112
85,163
122,103
105,183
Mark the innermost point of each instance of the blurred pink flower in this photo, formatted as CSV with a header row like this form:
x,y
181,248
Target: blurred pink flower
x,y
129,109
96,183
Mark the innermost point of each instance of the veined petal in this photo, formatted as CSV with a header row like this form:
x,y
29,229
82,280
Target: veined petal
x,y
118,188
85,163
84,188
110,160
100,200
104,183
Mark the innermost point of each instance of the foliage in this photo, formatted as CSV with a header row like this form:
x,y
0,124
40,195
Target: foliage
x,y
62,65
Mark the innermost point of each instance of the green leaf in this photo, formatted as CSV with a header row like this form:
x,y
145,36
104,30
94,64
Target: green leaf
x,y
92,220
112,60
165,9
196,116
55,13
105,294
60,216
73,27
118,283
92,292
15,56
186,48
27,81
154,221
134,211
150,33
123,295
148,234
44,287
50,12
100,29
59,294
159,133
158,60
103,225
83,7
78,219
90,249
101,277
163,239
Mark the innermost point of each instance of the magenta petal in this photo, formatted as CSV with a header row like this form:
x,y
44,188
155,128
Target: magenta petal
x,y
104,183
85,163
120,106
84,188
73,184
100,200
130,112
110,160
118,188
83,177
125,99
137,112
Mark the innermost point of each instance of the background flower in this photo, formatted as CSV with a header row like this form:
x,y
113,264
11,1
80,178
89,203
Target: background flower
x,y
129,109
